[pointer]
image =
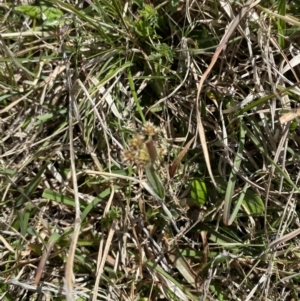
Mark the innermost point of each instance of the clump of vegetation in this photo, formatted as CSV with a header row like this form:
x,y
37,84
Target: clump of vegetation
x,y
149,150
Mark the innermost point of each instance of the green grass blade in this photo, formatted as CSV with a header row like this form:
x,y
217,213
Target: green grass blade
x,y
233,177
94,202
155,183
31,187
134,94
281,24
238,204
158,269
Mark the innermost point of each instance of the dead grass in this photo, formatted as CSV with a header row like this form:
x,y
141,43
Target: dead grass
x,y
149,151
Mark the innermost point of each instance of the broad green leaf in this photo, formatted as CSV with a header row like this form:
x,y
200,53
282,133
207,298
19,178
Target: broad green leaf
x,y
30,10
51,13
293,126
40,12
252,203
199,192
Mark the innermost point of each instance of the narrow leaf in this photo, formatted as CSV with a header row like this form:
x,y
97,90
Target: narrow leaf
x,y
233,178
155,182
29,190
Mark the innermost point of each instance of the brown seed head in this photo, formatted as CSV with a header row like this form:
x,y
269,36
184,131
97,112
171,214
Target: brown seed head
x,y
149,129
136,142
129,156
143,157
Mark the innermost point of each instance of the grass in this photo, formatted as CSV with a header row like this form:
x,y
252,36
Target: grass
x,y
149,150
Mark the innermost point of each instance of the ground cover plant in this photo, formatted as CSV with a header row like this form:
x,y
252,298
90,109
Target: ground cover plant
x,y
149,150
